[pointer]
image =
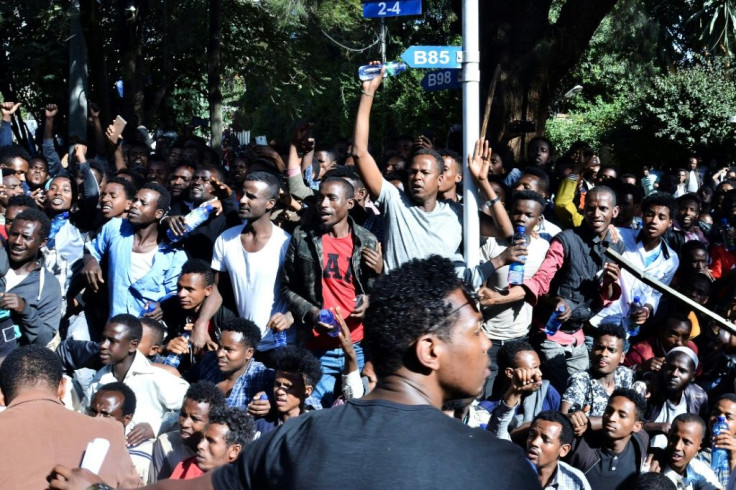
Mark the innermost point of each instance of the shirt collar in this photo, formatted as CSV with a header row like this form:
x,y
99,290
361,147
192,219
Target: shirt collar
x,y
34,395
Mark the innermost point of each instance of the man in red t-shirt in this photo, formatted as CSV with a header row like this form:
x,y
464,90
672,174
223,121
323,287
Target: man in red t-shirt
x,y
328,266
227,433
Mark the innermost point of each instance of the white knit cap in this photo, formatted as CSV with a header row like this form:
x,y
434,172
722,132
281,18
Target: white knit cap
x,y
688,351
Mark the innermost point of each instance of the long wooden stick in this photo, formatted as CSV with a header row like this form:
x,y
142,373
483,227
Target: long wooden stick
x,y
663,288
489,102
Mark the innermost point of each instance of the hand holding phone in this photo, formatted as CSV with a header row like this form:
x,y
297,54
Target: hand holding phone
x,y
115,131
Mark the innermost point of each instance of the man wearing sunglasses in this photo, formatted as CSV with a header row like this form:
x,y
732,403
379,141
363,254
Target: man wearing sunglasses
x,y
428,347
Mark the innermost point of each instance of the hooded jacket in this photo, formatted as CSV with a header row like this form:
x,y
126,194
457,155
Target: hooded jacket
x,y
41,315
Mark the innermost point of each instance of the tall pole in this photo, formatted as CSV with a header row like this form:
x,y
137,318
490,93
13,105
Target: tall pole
x,y
471,123
77,78
383,40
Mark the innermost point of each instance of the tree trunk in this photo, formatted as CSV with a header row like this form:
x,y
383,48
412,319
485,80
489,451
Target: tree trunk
x,y
130,56
99,83
535,55
214,94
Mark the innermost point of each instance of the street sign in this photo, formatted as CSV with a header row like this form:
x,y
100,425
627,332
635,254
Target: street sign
x,y
392,8
433,56
441,80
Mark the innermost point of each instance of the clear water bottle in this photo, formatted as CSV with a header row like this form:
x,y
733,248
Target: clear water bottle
x,y
174,360
728,242
554,323
279,338
329,318
516,270
632,327
369,72
196,217
719,457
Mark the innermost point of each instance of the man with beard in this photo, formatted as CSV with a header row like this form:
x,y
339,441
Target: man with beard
x,y
142,271
207,184
252,255
673,393
179,180
327,267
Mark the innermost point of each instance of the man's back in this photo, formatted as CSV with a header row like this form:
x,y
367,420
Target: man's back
x,y
378,444
38,432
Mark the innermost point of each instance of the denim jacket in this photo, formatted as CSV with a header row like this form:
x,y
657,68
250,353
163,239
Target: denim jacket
x,y
116,241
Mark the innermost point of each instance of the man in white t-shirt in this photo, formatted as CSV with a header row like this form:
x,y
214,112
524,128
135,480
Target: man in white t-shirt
x,y
252,255
511,321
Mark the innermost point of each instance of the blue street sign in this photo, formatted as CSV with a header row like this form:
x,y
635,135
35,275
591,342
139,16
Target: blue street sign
x,y
441,80
392,8
433,56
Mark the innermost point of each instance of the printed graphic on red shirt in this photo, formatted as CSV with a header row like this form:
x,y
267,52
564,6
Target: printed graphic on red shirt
x,y
338,288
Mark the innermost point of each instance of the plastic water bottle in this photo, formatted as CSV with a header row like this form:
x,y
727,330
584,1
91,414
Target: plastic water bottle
x,y
631,326
719,457
196,217
369,72
329,318
279,338
263,397
554,323
174,360
516,270
148,308
728,242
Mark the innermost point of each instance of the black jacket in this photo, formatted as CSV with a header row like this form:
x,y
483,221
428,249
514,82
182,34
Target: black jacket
x,y
301,276
584,455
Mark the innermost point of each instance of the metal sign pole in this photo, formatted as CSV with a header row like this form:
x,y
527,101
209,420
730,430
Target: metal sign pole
x,y
471,123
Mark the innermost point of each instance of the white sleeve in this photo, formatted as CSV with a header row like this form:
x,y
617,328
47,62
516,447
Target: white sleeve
x,y
352,385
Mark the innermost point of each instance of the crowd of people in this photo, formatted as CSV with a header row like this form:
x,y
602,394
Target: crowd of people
x,y
185,305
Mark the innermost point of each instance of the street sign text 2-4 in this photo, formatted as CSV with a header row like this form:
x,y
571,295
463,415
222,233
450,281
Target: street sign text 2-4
x,y
392,8
433,56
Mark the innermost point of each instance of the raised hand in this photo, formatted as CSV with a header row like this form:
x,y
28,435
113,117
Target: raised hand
x,y
51,111
8,109
371,86
479,162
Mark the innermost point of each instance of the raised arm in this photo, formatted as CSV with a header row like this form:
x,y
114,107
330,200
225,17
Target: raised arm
x,y
94,119
367,166
47,146
479,163
6,131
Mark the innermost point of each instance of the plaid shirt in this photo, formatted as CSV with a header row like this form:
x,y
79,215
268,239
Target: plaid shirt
x,y
256,377
568,478
706,456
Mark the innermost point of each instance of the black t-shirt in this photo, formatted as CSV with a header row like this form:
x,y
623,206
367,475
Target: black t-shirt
x,y
369,444
614,471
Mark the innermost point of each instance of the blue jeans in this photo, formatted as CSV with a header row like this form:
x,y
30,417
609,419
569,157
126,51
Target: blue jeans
x,y
333,366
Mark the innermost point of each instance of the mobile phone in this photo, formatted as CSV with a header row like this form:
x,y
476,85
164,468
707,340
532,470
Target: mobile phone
x,y
261,140
117,127
359,300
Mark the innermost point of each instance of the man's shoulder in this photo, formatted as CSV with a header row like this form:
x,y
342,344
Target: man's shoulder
x,y
231,233
570,477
